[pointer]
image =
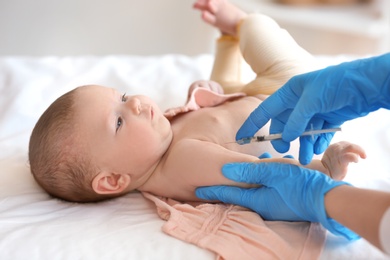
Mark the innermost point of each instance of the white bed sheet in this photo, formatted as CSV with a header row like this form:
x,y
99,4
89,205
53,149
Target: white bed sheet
x,y
35,226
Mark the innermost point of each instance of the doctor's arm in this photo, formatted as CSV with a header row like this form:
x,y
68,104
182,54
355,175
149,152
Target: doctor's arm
x,y
363,211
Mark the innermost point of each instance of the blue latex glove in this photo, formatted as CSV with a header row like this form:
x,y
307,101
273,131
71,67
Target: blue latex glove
x,y
268,155
322,99
290,193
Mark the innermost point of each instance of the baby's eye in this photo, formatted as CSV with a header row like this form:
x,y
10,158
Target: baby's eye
x,y
124,98
119,123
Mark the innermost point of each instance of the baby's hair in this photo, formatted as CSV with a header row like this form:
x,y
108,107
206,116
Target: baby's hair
x,y
59,160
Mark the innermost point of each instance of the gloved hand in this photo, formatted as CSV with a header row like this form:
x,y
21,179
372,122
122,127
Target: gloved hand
x,y
290,193
322,99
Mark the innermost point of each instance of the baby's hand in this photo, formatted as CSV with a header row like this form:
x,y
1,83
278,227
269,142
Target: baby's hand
x,y
338,156
207,84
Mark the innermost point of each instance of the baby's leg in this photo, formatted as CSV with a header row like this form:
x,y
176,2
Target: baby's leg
x,y
338,156
228,59
221,14
272,53
270,50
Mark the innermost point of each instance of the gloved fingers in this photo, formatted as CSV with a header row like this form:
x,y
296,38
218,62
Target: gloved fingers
x,y
324,139
291,94
277,126
283,99
306,150
280,146
268,174
269,108
299,119
322,143
256,120
249,127
306,143
221,193
265,155
230,194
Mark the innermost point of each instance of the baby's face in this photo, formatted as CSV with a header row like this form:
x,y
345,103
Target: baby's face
x,y
125,134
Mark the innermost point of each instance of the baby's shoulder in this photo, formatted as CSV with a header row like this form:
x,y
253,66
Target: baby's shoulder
x,y
189,148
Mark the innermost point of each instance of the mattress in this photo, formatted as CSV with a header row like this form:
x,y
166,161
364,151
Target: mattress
x,y
35,226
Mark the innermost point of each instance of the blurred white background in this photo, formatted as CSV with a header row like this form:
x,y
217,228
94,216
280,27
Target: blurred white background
x,y
151,27
356,27
101,27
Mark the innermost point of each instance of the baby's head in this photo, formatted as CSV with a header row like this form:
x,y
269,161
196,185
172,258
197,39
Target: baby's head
x,y
57,155
93,143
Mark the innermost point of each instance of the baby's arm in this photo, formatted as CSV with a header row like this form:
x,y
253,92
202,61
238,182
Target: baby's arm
x,y
194,163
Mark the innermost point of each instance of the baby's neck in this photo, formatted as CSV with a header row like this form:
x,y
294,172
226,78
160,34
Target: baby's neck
x,y
153,179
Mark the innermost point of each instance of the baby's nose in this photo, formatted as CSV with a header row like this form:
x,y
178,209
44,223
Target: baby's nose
x,y
135,105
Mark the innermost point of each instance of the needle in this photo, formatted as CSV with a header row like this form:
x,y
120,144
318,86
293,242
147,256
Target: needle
x,y
264,138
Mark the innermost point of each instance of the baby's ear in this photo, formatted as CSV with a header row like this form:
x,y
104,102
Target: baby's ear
x,y
110,183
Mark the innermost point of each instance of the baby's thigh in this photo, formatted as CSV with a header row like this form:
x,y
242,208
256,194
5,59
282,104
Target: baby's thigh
x,y
262,97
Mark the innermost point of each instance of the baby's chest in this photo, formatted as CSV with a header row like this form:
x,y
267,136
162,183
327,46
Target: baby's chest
x,y
219,125
207,123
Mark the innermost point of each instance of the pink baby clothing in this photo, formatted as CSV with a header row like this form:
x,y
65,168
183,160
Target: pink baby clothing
x,y
234,232
201,97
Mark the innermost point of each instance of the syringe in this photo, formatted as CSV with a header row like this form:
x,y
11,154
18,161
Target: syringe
x,y
264,138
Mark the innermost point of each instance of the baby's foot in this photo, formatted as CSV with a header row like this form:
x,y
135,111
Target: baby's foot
x,y
221,14
338,156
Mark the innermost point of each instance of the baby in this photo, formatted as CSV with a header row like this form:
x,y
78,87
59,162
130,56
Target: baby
x,y
94,143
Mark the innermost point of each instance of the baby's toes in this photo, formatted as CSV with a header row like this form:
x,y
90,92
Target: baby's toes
x,y
209,18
